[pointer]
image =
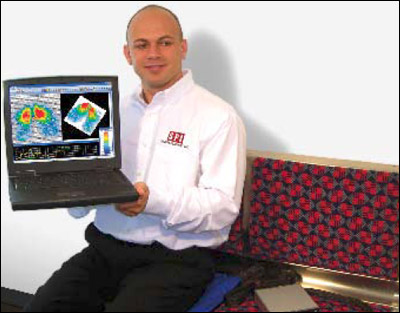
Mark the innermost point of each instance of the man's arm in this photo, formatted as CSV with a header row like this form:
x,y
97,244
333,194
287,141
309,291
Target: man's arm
x,y
215,203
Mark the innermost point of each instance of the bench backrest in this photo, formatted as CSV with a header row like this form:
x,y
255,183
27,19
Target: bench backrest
x,y
324,213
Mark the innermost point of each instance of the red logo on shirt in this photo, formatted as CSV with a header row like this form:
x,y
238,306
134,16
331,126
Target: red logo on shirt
x,y
175,139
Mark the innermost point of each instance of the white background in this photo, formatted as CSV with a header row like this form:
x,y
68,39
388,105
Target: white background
x,y
309,78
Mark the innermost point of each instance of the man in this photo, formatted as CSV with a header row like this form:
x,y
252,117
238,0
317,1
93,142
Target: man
x,y
185,149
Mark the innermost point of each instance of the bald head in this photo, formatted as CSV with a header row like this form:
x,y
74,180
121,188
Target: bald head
x,y
155,48
153,8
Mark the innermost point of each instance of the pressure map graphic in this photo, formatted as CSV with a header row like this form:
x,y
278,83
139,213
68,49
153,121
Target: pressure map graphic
x,y
36,118
85,115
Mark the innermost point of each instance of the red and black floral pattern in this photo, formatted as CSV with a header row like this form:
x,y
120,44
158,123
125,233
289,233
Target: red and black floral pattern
x,y
237,238
331,217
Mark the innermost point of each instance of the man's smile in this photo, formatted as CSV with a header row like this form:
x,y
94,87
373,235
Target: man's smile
x,y
155,68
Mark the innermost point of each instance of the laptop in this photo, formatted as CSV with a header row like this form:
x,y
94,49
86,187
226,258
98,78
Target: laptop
x,y
63,142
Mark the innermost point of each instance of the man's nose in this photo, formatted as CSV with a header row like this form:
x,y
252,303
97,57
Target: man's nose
x,y
154,51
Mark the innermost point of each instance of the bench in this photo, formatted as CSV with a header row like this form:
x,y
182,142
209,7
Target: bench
x,y
335,222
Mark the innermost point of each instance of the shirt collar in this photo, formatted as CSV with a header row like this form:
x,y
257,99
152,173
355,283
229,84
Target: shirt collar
x,y
171,94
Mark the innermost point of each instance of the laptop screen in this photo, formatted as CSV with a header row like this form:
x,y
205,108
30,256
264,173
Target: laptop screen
x,y
62,122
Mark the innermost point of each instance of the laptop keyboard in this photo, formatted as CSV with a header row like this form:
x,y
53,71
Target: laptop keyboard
x,y
79,180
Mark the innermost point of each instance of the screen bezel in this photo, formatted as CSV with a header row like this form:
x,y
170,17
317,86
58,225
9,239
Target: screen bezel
x,y
61,166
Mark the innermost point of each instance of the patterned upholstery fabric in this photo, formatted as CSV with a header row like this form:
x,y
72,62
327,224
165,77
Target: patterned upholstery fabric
x,y
326,302
329,217
237,237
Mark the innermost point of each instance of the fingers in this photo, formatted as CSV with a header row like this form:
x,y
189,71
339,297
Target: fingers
x,y
142,189
135,208
130,209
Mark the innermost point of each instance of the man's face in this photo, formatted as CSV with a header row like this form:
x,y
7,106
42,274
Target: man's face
x,y
155,49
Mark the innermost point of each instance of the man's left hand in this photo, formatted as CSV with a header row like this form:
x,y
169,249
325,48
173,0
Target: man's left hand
x,y
135,208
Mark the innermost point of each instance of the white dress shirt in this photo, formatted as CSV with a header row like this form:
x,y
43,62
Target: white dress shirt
x,y
189,147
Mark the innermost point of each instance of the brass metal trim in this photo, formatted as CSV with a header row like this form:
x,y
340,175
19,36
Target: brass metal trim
x,y
383,292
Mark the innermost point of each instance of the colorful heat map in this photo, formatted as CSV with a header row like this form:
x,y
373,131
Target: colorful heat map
x,y
79,112
35,116
85,115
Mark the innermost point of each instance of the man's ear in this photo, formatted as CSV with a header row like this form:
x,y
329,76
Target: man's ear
x,y
127,54
184,48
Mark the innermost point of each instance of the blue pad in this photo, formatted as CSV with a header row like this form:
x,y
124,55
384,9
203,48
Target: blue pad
x,y
215,292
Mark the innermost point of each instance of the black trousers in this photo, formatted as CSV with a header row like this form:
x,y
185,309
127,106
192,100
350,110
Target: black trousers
x,y
114,276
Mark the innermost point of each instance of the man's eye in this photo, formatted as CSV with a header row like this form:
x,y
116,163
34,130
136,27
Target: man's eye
x,y
140,46
165,43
